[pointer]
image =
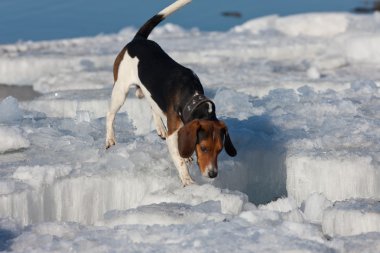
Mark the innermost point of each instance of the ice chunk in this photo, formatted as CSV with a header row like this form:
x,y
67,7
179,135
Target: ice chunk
x,y
287,207
234,104
280,205
231,202
39,176
338,178
313,73
352,217
314,206
12,139
257,25
258,216
9,110
165,214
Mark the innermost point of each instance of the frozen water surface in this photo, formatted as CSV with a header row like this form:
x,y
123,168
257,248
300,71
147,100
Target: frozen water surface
x,y
300,95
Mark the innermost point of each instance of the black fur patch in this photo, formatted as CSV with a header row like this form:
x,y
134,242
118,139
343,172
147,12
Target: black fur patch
x,y
169,83
149,25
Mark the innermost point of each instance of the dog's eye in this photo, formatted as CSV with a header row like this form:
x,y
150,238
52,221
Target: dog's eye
x,y
204,149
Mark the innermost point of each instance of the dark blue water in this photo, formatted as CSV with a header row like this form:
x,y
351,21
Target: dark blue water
x,y
54,19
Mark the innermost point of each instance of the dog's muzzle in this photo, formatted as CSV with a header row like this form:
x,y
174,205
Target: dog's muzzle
x,y
212,173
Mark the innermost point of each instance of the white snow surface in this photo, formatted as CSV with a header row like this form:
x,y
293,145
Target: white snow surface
x,y
301,98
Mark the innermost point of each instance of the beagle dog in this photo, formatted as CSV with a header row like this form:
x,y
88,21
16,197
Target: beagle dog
x,y
183,115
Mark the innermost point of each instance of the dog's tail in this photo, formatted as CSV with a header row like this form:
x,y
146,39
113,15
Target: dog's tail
x,y
147,28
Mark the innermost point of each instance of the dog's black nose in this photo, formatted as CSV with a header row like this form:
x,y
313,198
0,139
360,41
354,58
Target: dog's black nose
x,y
212,174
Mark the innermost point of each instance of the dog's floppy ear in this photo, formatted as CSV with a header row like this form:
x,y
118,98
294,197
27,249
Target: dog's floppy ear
x,y
187,138
228,146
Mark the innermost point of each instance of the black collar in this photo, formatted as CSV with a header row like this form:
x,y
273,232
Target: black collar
x,y
192,104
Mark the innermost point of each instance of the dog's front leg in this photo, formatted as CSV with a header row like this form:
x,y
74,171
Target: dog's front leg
x,y
160,127
179,162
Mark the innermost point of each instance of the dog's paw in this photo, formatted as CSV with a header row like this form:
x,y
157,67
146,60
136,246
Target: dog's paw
x,y
187,181
110,142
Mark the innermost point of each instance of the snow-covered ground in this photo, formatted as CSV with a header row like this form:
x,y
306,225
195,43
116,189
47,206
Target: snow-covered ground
x,y
301,97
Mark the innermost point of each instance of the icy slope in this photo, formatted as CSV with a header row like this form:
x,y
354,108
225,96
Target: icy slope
x,y
301,102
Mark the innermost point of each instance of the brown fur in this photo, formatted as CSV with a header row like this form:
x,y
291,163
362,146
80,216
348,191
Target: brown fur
x,y
117,62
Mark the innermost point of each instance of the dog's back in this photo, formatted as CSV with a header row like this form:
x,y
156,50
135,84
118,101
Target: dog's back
x,y
165,79
161,76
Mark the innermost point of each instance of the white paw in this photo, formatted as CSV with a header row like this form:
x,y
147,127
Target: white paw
x,y
110,142
187,181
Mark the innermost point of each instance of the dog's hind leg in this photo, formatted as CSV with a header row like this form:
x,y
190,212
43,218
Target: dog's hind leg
x,y
125,73
119,94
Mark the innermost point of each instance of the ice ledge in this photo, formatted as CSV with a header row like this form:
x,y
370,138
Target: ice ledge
x,y
352,217
338,178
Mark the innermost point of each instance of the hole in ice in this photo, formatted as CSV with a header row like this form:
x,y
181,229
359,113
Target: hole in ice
x,y
259,168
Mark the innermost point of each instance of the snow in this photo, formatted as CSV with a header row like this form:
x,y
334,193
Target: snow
x,y
352,217
291,25
300,96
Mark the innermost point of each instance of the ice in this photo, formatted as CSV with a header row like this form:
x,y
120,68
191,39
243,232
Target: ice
x,y
10,111
363,49
38,177
352,217
94,183
12,139
314,24
91,104
280,205
310,24
211,236
166,214
314,207
8,231
368,242
313,73
230,202
258,25
351,177
300,96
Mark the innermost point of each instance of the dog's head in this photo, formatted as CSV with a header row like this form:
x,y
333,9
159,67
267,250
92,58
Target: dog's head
x,y
206,138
